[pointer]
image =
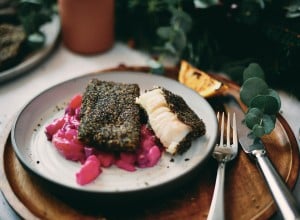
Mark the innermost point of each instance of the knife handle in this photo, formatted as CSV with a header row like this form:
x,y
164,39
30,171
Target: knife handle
x,y
281,194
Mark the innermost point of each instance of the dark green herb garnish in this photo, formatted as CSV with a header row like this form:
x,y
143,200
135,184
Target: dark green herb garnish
x,y
263,102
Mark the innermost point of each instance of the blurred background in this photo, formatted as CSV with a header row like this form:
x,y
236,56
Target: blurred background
x,y
214,35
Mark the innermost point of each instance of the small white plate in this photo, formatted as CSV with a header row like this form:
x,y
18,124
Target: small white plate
x,y
51,31
40,156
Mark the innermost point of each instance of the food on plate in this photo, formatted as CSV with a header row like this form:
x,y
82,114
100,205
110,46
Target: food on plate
x,y
12,38
172,120
63,133
89,171
107,126
109,117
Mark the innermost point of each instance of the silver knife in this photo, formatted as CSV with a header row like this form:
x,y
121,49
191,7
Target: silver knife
x,y
283,197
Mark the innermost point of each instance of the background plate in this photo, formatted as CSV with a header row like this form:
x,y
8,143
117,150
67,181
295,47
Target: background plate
x,y
41,157
51,30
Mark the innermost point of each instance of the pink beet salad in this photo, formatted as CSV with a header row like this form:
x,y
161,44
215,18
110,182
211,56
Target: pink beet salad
x,y
62,132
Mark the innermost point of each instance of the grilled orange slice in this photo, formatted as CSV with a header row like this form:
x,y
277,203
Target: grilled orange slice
x,y
200,81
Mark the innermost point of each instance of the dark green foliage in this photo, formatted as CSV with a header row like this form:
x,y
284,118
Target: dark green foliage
x,y
31,15
263,103
219,35
251,88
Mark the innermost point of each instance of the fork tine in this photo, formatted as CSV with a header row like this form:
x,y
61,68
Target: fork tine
x,y
235,138
228,130
222,130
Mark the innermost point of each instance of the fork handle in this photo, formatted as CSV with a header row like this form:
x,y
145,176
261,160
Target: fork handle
x,y
281,194
216,211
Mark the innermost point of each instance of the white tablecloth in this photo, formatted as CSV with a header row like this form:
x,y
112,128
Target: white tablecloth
x,y
63,65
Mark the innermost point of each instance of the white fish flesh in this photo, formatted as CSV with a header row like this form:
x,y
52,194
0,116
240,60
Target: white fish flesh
x,y
167,117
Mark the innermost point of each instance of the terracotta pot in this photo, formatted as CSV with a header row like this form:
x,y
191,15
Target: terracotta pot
x,y
87,25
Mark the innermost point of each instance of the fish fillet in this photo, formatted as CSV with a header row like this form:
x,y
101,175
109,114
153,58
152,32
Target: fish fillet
x,y
171,119
109,116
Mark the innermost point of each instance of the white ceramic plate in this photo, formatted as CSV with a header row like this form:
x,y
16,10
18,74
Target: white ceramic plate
x,y
51,31
39,155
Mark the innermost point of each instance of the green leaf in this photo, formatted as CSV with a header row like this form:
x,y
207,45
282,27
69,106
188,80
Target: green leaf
x,y
268,123
274,94
252,87
253,70
181,20
179,41
258,130
254,116
268,104
292,9
256,111
165,32
155,5
205,3
169,47
37,2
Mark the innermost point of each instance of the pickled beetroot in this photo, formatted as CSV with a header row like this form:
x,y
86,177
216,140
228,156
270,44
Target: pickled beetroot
x,y
127,161
67,144
63,134
107,159
75,102
52,128
149,152
89,171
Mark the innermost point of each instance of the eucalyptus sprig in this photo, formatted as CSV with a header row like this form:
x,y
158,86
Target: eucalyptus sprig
x,y
174,35
263,102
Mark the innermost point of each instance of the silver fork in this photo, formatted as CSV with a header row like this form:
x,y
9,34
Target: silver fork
x,y
222,153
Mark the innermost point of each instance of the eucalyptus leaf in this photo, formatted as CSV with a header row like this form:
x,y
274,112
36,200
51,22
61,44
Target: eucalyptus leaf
x,y
255,111
181,20
165,32
274,94
293,9
267,103
169,47
263,102
253,70
252,87
38,2
273,117
258,130
205,3
268,123
155,5
179,40
254,116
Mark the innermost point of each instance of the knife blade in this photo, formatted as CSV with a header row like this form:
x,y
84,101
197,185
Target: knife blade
x,y
282,196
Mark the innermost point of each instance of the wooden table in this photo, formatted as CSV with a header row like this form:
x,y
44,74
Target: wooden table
x,y
191,201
